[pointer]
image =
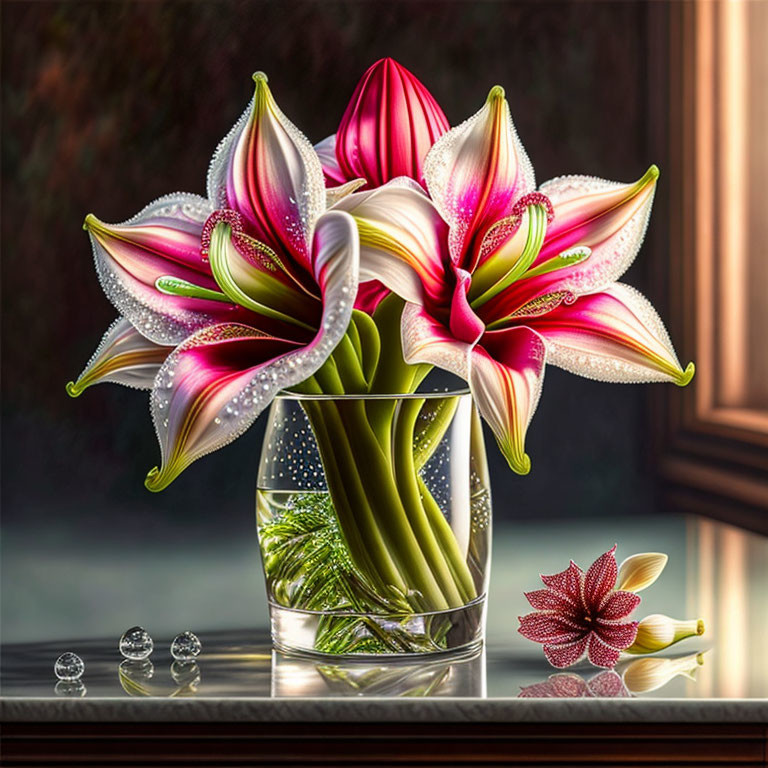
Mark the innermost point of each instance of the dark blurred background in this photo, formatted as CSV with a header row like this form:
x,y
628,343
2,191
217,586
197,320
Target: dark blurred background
x,y
107,106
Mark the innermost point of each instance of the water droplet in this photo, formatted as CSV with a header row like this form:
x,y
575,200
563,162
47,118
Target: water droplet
x,y
136,644
69,667
185,646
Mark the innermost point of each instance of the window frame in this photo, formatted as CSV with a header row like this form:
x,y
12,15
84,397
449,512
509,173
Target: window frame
x,y
710,458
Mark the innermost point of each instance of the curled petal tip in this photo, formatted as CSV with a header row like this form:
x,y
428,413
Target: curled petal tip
x,y
653,172
91,222
700,627
260,78
521,466
156,480
496,94
73,390
686,375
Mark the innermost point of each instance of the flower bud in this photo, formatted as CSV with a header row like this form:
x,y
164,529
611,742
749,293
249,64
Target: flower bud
x,y
389,126
649,674
656,632
640,571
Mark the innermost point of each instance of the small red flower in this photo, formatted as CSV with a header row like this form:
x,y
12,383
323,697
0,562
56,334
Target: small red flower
x,y
580,614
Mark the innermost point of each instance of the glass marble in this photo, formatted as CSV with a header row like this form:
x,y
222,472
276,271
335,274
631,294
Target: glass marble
x,y
185,646
136,644
69,667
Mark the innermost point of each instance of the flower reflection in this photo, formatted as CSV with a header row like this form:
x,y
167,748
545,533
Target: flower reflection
x,y
73,689
135,678
637,676
297,676
651,673
567,685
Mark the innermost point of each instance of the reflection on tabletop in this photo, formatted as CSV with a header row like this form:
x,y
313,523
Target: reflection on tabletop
x,y
716,572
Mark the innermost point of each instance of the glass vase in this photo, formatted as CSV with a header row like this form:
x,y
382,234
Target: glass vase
x,y
374,523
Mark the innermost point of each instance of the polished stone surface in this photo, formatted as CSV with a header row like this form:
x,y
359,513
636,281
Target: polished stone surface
x,y
716,572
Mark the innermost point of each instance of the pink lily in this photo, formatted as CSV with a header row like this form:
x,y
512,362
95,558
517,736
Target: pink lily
x,y
581,615
228,300
390,124
501,279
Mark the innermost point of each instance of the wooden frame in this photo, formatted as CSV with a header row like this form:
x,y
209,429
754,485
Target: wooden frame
x,y
712,456
382,744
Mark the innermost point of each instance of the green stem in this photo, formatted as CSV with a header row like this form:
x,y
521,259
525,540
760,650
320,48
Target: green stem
x,y
383,495
408,487
368,546
444,533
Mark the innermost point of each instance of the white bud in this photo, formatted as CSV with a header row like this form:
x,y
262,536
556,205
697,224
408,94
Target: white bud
x,y
640,571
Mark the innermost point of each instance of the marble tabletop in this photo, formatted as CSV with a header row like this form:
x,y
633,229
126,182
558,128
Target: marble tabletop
x,y
716,572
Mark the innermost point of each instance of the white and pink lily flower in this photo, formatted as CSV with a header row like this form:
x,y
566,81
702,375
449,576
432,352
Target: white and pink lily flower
x,y
228,300
501,278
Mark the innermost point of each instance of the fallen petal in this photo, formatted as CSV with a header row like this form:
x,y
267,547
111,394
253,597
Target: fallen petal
x,y
568,584
600,653
618,605
600,580
542,627
619,636
562,656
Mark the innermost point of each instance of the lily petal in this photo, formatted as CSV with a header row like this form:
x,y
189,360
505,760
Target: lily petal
x,y
475,172
549,628
426,340
161,240
600,580
254,281
567,583
608,217
562,656
124,356
267,171
390,124
615,335
600,653
507,373
326,151
334,194
640,571
465,324
619,636
618,605
549,600
402,240
214,385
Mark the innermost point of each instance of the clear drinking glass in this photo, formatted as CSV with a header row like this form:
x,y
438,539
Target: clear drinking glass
x,y
374,517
